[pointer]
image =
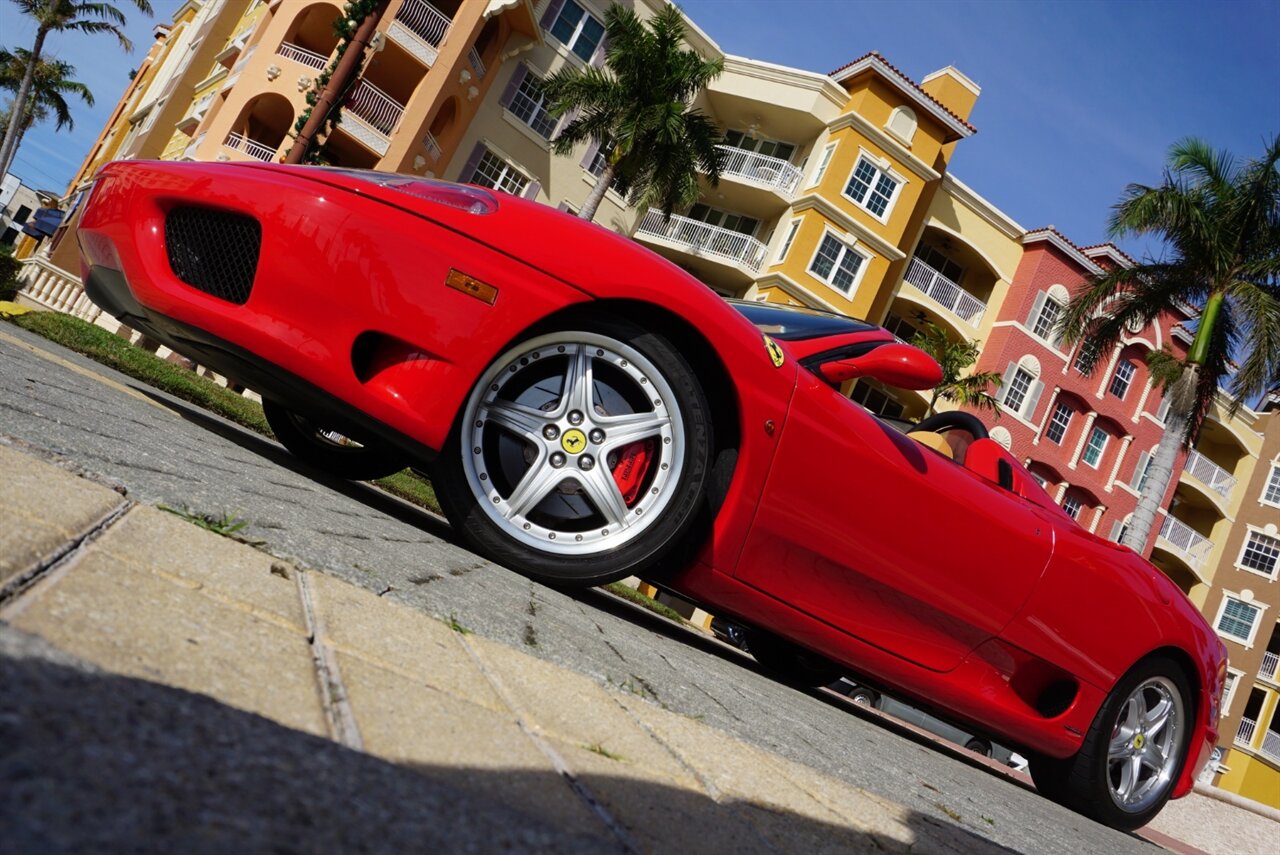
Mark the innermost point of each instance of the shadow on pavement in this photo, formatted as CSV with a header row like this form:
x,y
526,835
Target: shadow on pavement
x,y
97,762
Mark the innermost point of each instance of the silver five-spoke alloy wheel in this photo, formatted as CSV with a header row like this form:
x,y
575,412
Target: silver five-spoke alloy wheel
x,y
1142,755
573,443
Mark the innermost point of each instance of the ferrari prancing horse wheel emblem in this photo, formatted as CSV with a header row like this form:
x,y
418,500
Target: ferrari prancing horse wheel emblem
x,y
573,441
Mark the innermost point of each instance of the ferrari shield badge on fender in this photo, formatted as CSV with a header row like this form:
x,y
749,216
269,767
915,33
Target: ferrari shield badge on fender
x,y
775,352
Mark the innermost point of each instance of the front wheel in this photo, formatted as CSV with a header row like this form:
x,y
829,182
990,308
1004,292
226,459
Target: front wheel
x,y
581,455
1133,753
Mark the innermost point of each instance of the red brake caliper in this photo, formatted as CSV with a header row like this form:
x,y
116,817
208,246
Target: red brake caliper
x,y
633,464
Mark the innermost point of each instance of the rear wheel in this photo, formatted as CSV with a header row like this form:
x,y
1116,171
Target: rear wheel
x,y
329,449
1133,753
581,455
978,746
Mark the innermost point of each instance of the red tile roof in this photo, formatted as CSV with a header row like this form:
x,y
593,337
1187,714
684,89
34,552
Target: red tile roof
x,y
1110,245
890,66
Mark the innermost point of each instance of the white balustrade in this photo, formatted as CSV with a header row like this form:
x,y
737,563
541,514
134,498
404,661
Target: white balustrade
x,y
702,238
426,21
311,59
773,172
942,290
1210,474
1193,546
375,107
433,148
1244,735
1267,670
253,148
477,64
50,287
1271,744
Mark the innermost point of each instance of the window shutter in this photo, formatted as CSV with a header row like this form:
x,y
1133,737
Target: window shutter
x,y
469,171
1036,308
551,13
1116,528
1008,379
564,120
531,192
563,207
1138,470
592,148
517,77
597,58
1033,398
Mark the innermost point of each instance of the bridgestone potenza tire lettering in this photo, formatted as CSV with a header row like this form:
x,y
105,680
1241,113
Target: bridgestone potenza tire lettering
x,y
323,449
1134,752
581,456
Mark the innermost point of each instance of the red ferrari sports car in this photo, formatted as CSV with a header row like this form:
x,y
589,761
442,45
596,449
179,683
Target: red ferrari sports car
x,y
588,411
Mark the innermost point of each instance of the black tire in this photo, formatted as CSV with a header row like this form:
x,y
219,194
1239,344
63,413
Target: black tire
x,y
1093,780
311,443
791,664
864,697
978,746
552,539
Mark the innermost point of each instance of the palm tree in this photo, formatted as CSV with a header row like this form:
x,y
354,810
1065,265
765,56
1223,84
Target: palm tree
x,y
637,109
57,16
1220,223
49,86
955,357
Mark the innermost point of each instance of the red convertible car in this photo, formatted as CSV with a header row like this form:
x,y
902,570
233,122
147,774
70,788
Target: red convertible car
x,y
588,411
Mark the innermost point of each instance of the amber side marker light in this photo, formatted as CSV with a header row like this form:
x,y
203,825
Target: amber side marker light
x,y
471,286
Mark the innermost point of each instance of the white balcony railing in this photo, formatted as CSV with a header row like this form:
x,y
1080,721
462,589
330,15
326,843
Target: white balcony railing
x,y
1271,744
1244,735
1210,474
477,64
1270,664
1190,544
426,21
773,172
253,148
701,238
51,287
378,109
311,59
190,152
942,290
432,147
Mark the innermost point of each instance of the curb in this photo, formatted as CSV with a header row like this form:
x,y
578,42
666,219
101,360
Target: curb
x,y
1235,800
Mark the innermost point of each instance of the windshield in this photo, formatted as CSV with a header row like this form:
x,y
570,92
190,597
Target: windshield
x,y
797,323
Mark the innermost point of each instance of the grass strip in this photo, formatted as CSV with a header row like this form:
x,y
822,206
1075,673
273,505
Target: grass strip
x,y
631,594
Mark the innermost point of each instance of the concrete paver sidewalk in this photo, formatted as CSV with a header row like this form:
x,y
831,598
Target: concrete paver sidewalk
x,y
334,717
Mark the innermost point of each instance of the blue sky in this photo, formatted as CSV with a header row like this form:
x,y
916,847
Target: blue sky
x,y
1078,98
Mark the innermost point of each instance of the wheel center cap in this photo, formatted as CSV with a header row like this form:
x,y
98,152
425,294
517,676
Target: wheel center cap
x,y
573,441
1139,740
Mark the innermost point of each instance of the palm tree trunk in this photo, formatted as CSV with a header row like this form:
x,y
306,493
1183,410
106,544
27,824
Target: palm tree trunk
x,y
10,145
1161,471
592,201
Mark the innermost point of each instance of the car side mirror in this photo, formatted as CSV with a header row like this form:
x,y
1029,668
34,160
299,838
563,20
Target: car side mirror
x,y
898,365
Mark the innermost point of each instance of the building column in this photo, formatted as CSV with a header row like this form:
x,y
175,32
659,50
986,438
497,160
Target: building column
x,y
1048,414
1142,402
1062,491
1084,437
1115,470
1097,517
1111,369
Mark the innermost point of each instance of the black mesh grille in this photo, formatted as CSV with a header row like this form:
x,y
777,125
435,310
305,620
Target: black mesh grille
x,y
214,251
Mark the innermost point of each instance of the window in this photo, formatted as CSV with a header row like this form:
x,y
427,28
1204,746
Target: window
x,y
740,223
837,264
940,263
1059,423
1072,505
1047,319
876,400
902,124
1261,554
871,188
1229,690
600,159
1097,443
823,164
1122,378
791,236
768,148
1236,619
1141,471
1271,493
529,106
900,327
576,30
1015,391
493,171
22,213
1162,412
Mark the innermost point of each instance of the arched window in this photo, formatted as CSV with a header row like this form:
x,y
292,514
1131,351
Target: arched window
x,y
902,124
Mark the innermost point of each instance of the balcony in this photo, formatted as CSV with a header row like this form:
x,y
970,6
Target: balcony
x,y
432,146
1185,542
376,115
191,121
1271,745
253,148
1270,663
311,59
772,172
420,28
1210,474
944,292
1244,736
477,64
702,239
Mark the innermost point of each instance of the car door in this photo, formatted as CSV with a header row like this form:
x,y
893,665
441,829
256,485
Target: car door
x,y
868,531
